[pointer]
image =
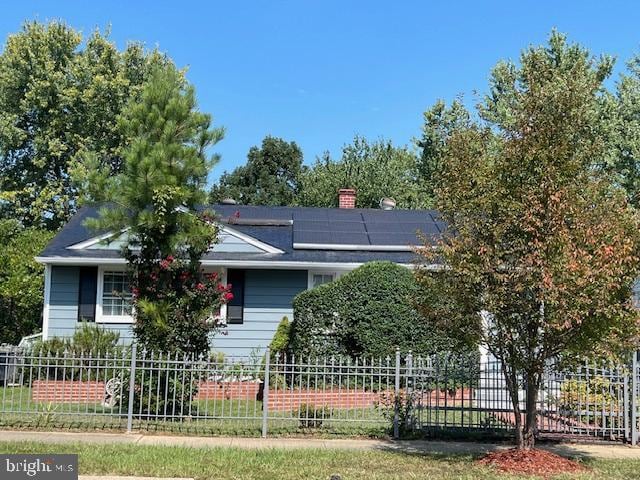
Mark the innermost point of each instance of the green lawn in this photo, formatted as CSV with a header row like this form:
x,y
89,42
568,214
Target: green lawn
x,y
217,417
232,463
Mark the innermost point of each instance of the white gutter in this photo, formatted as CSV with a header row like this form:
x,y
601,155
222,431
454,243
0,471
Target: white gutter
x,y
80,261
228,263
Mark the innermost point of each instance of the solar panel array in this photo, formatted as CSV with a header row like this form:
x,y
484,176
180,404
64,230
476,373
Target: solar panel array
x,y
361,227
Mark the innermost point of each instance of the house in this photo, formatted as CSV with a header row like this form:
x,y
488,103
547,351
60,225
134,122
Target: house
x,y
268,254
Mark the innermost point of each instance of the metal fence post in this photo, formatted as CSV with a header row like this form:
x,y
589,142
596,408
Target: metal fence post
x,y
132,386
396,413
634,399
265,393
409,421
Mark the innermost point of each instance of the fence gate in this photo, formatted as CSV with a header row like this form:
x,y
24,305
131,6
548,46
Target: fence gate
x,y
597,401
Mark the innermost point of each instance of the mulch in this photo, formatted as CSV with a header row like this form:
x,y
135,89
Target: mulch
x,y
531,462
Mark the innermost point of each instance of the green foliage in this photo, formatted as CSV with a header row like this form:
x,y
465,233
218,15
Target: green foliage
x,y
594,392
366,312
53,347
310,416
270,177
162,393
375,170
440,122
69,358
624,158
88,340
95,339
156,198
59,102
21,280
280,341
545,243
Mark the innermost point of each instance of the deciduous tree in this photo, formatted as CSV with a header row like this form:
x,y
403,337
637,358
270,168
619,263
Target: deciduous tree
x,y
543,247
375,170
271,176
21,280
59,103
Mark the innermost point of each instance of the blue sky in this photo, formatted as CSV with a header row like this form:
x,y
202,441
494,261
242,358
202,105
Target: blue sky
x,y
318,72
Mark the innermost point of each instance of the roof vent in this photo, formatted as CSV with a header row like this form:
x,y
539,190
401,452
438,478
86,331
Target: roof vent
x,y
228,201
387,203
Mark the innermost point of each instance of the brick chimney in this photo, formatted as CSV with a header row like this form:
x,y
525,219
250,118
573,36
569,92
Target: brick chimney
x,y
346,198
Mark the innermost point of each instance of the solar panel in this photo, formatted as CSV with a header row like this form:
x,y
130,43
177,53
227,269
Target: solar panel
x,y
393,239
394,216
330,238
310,214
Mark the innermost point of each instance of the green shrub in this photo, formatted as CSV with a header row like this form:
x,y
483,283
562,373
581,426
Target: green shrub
x,y
54,347
280,341
310,416
76,357
90,338
367,312
162,393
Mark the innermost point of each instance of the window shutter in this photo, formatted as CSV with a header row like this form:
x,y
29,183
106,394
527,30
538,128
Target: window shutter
x,y
235,308
87,294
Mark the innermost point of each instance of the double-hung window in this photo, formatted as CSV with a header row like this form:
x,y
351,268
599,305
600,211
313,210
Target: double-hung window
x,y
115,297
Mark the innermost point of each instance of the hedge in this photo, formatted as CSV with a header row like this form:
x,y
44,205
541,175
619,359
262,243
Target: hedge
x,y
367,312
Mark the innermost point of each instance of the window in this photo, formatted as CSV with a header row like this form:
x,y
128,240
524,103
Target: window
x,y
115,297
235,307
319,278
87,294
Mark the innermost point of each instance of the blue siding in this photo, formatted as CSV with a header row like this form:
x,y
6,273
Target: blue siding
x,y
63,305
268,295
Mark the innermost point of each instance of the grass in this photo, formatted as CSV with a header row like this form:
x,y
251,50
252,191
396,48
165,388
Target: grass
x,y
220,417
234,463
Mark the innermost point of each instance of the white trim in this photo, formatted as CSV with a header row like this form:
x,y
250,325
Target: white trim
x,y
92,241
47,301
354,247
100,318
224,229
223,307
338,266
279,265
230,263
79,261
250,240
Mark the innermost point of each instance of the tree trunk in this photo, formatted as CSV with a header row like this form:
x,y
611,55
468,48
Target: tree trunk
x,y
511,379
531,421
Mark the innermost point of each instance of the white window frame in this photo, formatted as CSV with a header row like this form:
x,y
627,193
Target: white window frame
x,y
335,274
223,307
100,317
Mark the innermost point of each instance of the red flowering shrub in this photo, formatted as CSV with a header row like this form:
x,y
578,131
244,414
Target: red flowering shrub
x,y
176,304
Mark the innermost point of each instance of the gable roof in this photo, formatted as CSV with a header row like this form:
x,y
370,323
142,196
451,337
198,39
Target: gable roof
x,y
295,235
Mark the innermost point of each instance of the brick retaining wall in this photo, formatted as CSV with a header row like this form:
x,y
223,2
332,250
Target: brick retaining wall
x,y
228,390
60,391
63,391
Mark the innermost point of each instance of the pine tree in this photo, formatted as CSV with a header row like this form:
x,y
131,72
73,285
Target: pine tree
x,y
156,200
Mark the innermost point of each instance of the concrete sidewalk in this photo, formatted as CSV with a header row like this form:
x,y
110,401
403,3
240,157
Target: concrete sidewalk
x,y
612,451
